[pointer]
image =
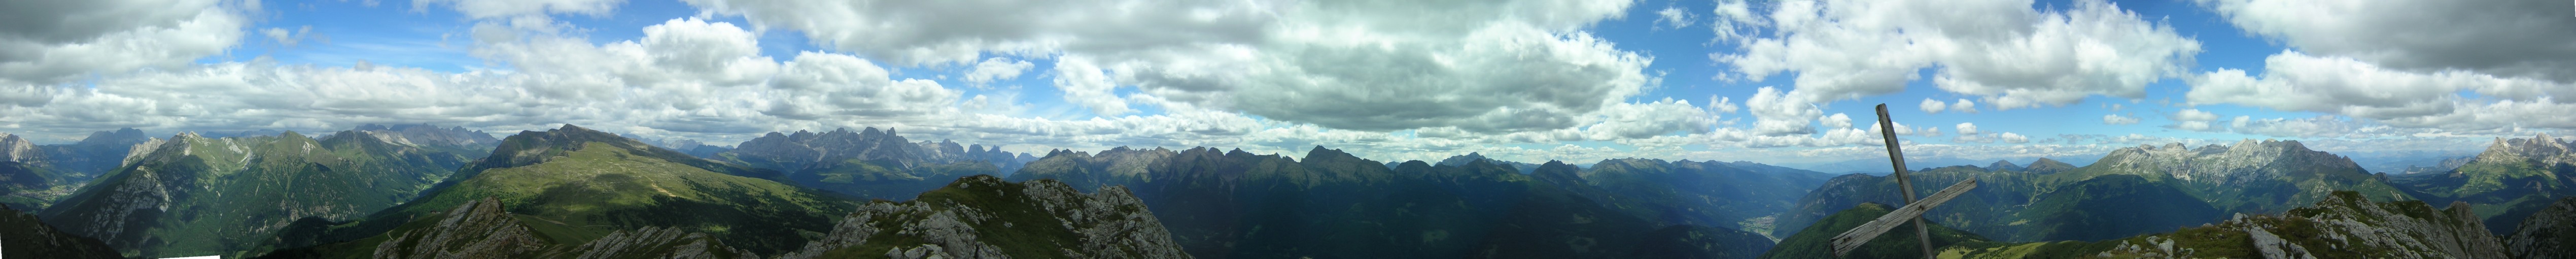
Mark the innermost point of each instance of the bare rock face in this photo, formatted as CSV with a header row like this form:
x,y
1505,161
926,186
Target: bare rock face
x,y
2273,247
657,242
425,134
2246,161
2264,177
985,217
477,229
2405,229
15,149
2345,225
2551,233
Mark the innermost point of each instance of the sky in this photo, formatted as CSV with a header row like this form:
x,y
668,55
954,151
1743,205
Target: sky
x,y
1525,80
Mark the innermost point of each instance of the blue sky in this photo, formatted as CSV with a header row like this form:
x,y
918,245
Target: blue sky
x,y
1530,80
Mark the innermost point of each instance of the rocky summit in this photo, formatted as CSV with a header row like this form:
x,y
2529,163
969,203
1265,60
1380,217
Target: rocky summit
x,y
2247,177
2549,233
985,217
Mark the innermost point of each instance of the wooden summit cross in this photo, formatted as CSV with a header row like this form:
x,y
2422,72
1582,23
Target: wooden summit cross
x,y
1913,209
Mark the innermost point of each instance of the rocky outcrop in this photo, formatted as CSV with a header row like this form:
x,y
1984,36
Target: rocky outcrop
x,y
2271,246
2345,225
985,217
15,149
657,242
2411,230
2550,233
477,229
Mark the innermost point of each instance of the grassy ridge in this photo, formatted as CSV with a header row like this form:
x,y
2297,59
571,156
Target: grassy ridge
x,y
574,185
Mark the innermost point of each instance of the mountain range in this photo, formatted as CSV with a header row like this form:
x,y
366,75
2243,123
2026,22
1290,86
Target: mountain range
x,y
189,185
2344,224
420,191
1233,204
869,163
2511,180
2131,191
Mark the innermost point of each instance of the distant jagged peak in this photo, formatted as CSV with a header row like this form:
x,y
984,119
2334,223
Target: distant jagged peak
x,y
15,149
1320,152
1629,162
2004,165
190,135
2541,145
424,134
2046,161
2271,144
374,136
2266,146
1971,168
1066,152
2045,166
122,136
567,137
1558,171
2216,164
294,135
403,127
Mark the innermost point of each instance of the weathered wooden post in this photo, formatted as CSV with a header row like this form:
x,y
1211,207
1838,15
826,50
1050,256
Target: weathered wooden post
x,y
1913,209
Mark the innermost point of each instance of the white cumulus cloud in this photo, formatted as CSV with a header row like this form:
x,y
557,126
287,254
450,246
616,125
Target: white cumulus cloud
x,y
1934,106
2004,50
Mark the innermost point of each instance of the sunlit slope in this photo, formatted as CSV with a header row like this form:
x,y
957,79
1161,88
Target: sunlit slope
x,y
192,186
575,185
